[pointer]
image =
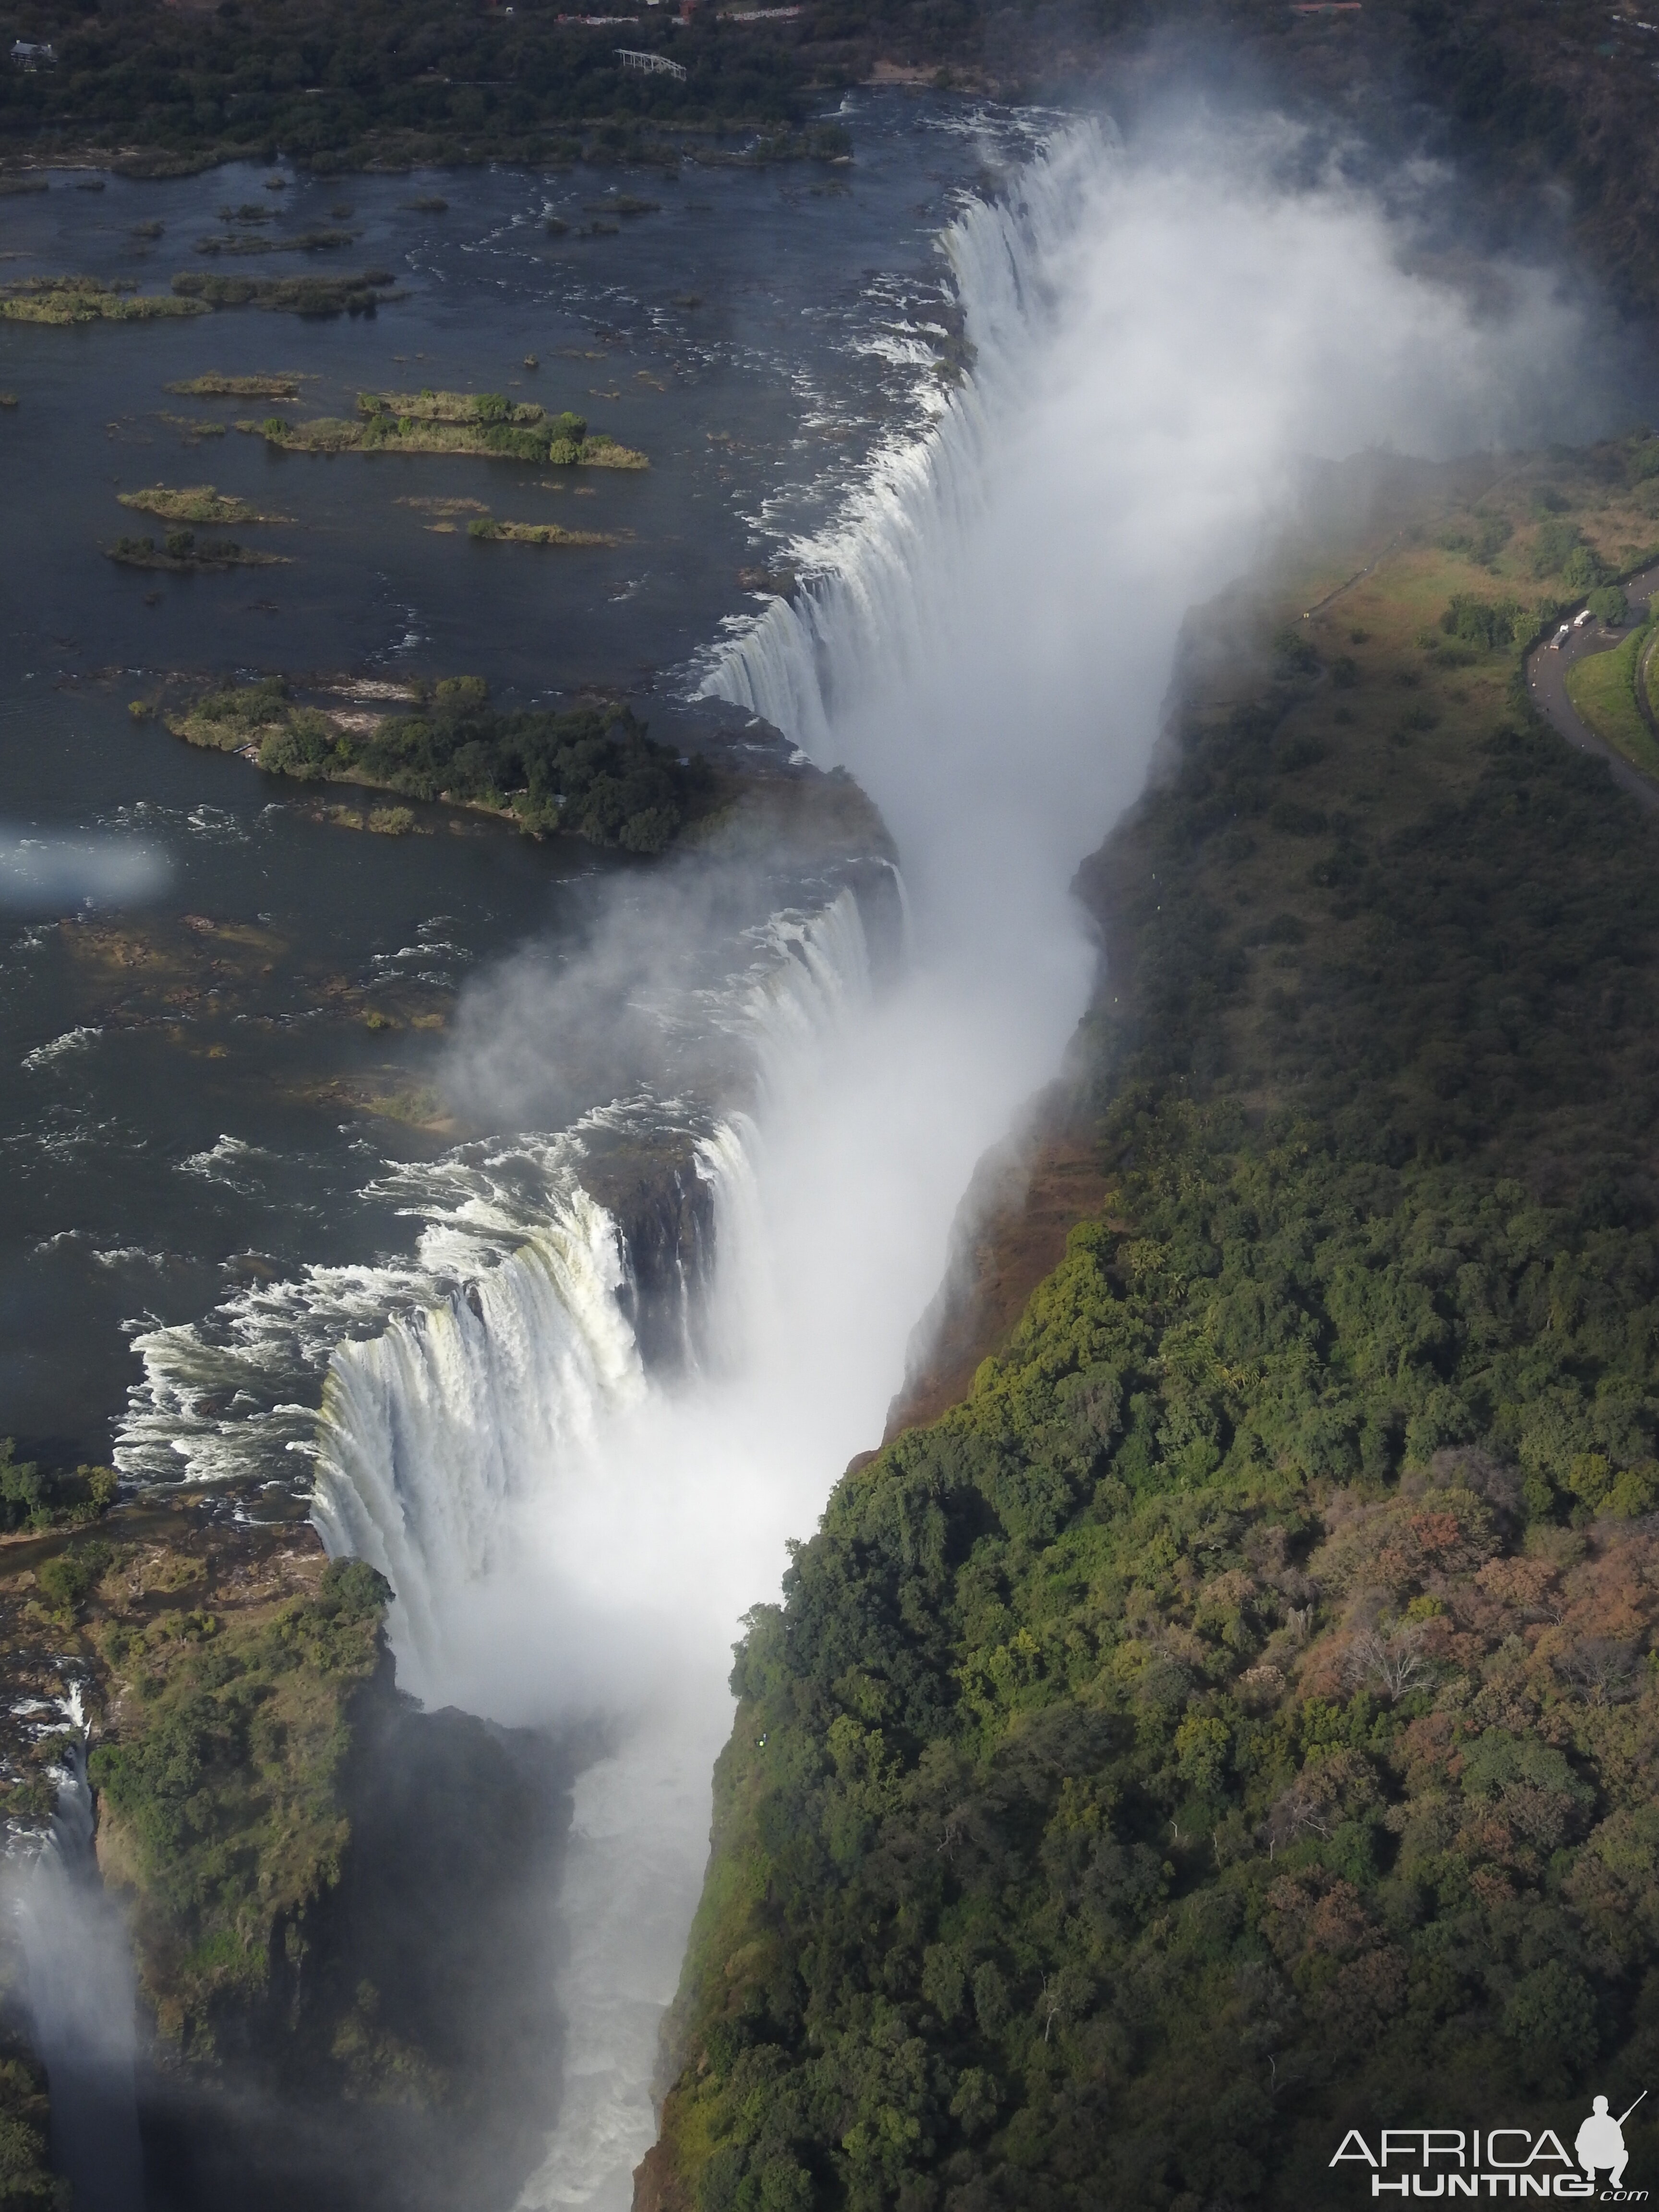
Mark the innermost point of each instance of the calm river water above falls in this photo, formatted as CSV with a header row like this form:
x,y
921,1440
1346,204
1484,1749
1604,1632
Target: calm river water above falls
x,y
186,1093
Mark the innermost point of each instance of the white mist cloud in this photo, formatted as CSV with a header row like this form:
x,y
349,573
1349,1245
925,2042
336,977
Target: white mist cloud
x,y
51,874
1199,329
1163,337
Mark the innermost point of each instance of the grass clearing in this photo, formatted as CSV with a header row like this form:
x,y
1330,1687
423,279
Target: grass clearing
x,y
1603,687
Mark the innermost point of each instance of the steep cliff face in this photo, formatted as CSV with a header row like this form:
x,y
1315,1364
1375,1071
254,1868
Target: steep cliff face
x,y
405,2051
339,1905
1237,1720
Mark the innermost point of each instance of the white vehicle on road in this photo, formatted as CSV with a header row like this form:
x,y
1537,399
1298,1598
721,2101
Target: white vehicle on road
x,y
1579,620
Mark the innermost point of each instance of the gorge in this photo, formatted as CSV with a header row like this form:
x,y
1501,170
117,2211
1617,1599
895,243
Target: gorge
x,y
641,1328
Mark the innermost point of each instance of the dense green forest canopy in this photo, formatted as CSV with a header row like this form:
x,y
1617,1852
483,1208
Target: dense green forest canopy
x,y
1534,94
326,83
1239,1719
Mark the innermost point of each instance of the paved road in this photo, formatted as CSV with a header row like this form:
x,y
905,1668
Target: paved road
x,y
1546,680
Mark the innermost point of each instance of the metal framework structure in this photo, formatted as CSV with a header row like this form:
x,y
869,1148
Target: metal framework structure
x,y
651,64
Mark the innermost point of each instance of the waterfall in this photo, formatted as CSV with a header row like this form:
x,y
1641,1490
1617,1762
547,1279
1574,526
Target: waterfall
x,y
81,1996
430,1429
871,583
502,1388
984,636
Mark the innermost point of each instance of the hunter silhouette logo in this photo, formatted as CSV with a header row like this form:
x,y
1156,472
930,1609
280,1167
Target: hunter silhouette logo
x,y
1600,2141
1503,2162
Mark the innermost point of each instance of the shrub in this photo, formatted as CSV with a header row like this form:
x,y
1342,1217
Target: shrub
x,y
1488,623
1582,569
1556,541
71,1576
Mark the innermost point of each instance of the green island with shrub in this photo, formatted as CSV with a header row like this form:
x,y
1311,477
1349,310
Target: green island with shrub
x,y
237,243
195,503
481,423
67,299
1235,1721
489,532
319,297
213,384
181,554
592,772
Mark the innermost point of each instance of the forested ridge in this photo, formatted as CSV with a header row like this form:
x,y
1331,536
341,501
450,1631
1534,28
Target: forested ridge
x,y
1239,1719
1533,96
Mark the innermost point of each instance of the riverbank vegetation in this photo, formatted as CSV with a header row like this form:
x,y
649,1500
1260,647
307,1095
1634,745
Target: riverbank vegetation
x,y
1234,1722
195,503
483,423
88,300
181,554
26,2172
593,772
39,1498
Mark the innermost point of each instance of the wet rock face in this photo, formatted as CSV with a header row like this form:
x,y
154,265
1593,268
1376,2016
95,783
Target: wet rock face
x,y
664,1213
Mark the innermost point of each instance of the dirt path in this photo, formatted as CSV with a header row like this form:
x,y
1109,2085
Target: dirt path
x,y
1547,681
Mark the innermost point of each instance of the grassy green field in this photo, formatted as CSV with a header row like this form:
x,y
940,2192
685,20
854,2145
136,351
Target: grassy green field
x,y
1603,687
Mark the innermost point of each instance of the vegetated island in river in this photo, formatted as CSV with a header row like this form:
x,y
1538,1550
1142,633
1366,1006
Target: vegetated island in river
x,y
483,423
1226,1709
490,532
592,772
76,299
181,553
213,384
195,503
236,243
88,299
316,296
